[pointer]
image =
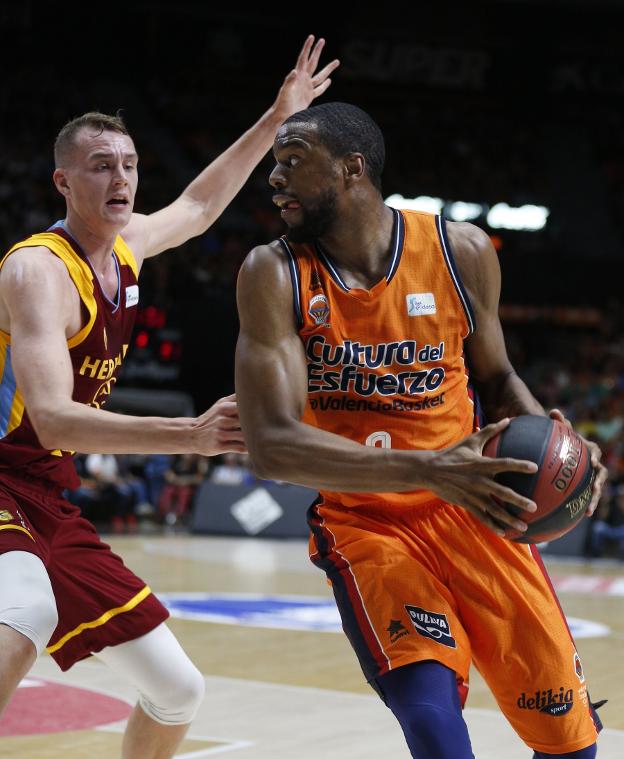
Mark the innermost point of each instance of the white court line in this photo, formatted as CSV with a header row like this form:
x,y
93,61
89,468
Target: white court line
x,y
229,744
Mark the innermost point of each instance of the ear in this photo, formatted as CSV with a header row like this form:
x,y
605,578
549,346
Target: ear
x,y
354,167
61,182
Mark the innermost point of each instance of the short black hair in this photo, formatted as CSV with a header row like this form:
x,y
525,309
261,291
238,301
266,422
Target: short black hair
x,y
345,128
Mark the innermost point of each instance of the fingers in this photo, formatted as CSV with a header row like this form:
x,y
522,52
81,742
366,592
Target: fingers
x,y
230,436
512,465
485,519
321,88
555,413
507,495
491,430
304,54
595,454
599,481
502,516
322,75
316,54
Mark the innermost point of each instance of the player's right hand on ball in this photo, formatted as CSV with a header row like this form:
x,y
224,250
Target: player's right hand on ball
x,y
218,430
461,475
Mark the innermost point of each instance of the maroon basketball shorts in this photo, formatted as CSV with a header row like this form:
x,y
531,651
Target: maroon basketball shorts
x,y
100,602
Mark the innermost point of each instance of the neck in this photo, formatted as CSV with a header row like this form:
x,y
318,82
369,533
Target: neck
x,y
360,241
97,245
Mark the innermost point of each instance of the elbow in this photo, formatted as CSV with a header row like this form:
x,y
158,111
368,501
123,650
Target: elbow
x,y
267,458
47,428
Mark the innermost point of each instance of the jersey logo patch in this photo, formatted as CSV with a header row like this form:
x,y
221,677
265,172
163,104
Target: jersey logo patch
x,y
432,625
132,295
319,310
420,304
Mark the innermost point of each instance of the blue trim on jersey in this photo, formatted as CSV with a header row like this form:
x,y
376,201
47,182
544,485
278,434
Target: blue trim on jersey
x,y
8,386
295,279
328,264
398,238
450,262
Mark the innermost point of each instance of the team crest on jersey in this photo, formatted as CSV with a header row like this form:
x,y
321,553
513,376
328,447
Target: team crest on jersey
x,y
6,516
319,310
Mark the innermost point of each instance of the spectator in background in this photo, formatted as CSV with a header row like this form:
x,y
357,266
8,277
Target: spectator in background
x,y
186,473
118,494
608,524
232,469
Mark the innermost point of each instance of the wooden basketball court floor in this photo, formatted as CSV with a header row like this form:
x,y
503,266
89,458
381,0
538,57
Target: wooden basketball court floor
x,y
299,694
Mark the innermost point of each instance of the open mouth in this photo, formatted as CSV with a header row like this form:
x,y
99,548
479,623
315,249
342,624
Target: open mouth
x,y
117,202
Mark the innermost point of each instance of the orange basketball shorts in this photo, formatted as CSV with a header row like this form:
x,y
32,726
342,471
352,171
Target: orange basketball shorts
x,y
432,583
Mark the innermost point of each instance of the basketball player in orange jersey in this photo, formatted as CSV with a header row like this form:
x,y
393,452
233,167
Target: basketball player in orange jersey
x,y
67,302
357,331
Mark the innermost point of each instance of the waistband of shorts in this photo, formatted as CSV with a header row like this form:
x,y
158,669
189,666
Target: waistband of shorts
x,y
18,480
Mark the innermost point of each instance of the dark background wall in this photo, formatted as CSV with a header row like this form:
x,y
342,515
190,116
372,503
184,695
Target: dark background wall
x,y
516,102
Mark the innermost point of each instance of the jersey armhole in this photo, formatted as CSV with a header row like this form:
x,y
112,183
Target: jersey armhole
x,y
295,278
454,272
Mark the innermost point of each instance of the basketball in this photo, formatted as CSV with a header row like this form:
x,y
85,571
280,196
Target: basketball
x,y
562,485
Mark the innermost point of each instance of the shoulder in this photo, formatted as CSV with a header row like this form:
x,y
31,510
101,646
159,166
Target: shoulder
x,y
269,262
135,236
265,288
33,265
475,257
468,240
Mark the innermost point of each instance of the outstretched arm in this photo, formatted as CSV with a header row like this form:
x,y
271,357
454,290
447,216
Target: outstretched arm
x,y
39,300
203,201
271,387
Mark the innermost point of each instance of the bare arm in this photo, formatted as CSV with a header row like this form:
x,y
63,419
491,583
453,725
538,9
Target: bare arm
x,y
39,300
203,201
271,387
502,392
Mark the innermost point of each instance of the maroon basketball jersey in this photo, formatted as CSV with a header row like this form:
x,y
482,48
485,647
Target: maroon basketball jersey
x,y
96,352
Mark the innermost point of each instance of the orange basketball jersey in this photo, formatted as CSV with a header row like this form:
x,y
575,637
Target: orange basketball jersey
x,y
386,366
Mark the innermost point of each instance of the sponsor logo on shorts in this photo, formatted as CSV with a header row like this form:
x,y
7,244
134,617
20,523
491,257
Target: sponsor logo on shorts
x,y
432,625
6,516
578,667
556,703
397,630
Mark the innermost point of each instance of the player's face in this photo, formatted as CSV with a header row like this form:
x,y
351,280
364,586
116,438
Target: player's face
x,y
100,179
305,183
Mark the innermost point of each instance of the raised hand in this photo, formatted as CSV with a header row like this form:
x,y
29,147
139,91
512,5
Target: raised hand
x,y
463,476
302,85
218,429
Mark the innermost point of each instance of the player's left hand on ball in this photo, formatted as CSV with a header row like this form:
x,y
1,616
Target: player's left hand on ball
x,y
303,85
600,471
